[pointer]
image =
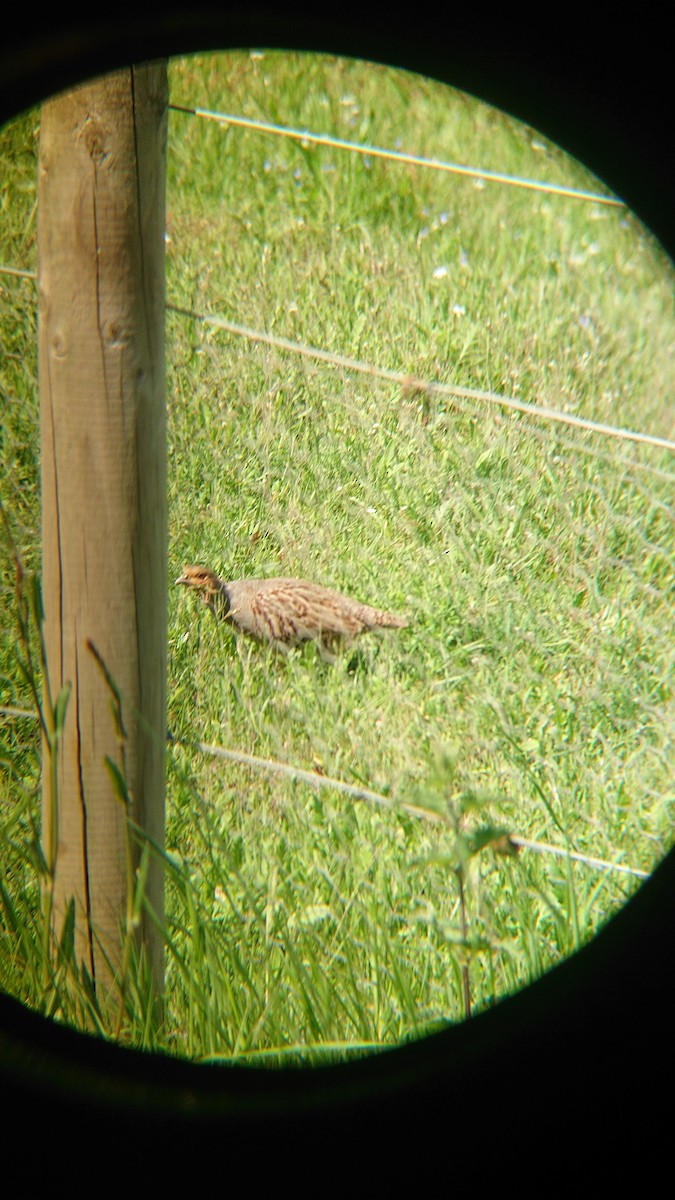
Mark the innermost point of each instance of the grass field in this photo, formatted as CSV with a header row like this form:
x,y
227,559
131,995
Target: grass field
x,y
532,692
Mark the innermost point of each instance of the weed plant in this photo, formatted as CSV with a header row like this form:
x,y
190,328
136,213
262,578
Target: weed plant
x,y
531,694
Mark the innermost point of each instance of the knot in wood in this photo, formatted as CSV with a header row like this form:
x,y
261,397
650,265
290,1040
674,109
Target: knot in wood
x,y
94,136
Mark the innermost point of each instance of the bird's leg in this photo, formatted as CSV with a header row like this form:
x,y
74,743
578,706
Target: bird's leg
x,y
326,654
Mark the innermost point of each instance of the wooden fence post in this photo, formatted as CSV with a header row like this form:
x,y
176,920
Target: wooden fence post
x,y
101,222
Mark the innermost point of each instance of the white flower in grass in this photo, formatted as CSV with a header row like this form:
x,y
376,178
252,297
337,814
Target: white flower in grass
x,y
440,272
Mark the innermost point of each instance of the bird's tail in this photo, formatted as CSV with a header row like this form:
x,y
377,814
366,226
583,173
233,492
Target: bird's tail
x,y
388,620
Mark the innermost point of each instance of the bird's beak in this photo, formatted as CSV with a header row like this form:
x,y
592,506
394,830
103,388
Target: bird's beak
x,y
182,579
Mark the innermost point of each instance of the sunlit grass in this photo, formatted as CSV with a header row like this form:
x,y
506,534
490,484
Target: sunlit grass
x,y
531,693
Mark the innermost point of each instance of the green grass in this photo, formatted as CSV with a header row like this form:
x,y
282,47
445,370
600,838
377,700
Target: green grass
x,y
533,689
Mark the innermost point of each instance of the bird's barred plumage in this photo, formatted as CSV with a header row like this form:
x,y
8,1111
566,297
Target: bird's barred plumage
x,y
287,611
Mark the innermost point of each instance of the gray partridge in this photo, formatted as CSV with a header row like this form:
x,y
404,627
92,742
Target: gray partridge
x,y
287,611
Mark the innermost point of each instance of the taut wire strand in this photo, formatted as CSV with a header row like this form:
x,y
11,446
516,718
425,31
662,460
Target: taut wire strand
x,y
445,389
324,139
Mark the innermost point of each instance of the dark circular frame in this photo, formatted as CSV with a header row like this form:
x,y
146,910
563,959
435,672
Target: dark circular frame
x,y
584,1051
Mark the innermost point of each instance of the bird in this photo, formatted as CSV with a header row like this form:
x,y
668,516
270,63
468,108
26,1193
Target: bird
x,y
287,611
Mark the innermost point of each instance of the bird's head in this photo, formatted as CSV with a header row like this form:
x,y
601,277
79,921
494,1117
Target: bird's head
x,y
204,581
